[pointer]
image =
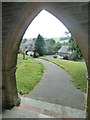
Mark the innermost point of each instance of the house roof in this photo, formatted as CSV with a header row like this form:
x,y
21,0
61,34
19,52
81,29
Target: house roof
x,y
29,45
65,49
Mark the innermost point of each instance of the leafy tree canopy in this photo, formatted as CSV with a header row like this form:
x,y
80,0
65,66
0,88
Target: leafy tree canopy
x,y
75,47
39,45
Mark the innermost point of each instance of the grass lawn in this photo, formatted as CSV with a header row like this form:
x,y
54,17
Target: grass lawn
x,y
28,74
76,69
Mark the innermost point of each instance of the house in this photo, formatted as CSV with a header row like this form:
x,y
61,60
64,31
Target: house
x,y
64,51
28,46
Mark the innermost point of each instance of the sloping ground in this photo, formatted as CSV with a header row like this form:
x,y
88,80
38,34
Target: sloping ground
x,y
56,87
30,108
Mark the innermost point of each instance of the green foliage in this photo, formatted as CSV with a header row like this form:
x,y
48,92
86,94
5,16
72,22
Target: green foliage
x,y
76,69
21,52
49,46
52,42
43,47
57,46
52,47
36,55
40,45
27,75
74,47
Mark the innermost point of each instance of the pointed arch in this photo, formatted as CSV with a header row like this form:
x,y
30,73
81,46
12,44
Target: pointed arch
x,y
26,17
16,30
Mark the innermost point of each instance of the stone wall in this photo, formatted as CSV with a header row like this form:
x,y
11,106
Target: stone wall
x,y
10,15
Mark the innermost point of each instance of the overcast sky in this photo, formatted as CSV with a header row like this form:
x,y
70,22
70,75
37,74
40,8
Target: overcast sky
x,y
47,25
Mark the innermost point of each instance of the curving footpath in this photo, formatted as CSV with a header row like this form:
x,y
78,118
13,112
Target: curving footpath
x,y
56,87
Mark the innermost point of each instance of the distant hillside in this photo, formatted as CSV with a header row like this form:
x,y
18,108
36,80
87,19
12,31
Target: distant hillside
x,y
64,38
30,40
60,39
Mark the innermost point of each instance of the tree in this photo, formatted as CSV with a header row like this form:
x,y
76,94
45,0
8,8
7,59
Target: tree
x,y
74,47
40,45
21,52
52,42
49,46
57,46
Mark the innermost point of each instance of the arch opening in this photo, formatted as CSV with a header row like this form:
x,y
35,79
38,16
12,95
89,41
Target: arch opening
x,y
18,29
36,35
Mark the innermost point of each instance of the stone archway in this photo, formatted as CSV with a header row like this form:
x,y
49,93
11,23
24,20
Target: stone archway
x,y
17,17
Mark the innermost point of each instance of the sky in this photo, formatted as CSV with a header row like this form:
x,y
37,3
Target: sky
x,y
46,25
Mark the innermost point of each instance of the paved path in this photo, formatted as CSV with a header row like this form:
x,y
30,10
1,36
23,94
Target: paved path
x,y
56,87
